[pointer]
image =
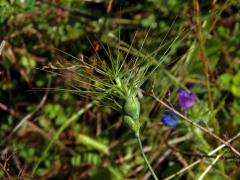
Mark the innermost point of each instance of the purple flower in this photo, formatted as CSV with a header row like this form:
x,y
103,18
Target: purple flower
x,y
186,98
169,118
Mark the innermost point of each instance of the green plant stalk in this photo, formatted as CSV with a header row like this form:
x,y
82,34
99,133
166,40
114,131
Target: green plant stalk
x,y
145,158
60,130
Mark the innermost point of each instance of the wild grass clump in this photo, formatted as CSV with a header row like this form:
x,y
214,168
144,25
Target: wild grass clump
x,y
114,81
163,93
114,77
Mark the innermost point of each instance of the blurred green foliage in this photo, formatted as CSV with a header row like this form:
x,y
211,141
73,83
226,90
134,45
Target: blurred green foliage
x,y
97,145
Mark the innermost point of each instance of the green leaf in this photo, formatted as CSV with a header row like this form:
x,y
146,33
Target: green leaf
x,y
76,160
236,85
236,90
236,79
225,81
92,143
29,3
149,21
28,62
116,173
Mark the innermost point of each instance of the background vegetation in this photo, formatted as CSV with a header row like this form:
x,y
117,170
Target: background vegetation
x,y
198,48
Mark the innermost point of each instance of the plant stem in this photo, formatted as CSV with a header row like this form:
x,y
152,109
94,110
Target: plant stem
x,y
205,62
145,158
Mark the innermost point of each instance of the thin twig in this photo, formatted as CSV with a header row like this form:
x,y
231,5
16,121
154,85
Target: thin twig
x,y
199,160
202,51
210,166
159,161
2,46
5,172
197,125
28,116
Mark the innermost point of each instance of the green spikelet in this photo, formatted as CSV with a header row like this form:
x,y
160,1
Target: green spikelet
x,y
131,110
128,121
132,107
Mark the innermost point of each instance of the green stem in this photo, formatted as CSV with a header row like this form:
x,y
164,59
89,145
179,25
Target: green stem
x,y
145,158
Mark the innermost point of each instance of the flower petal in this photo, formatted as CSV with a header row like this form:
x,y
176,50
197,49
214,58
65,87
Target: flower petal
x,y
186,98
169,118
